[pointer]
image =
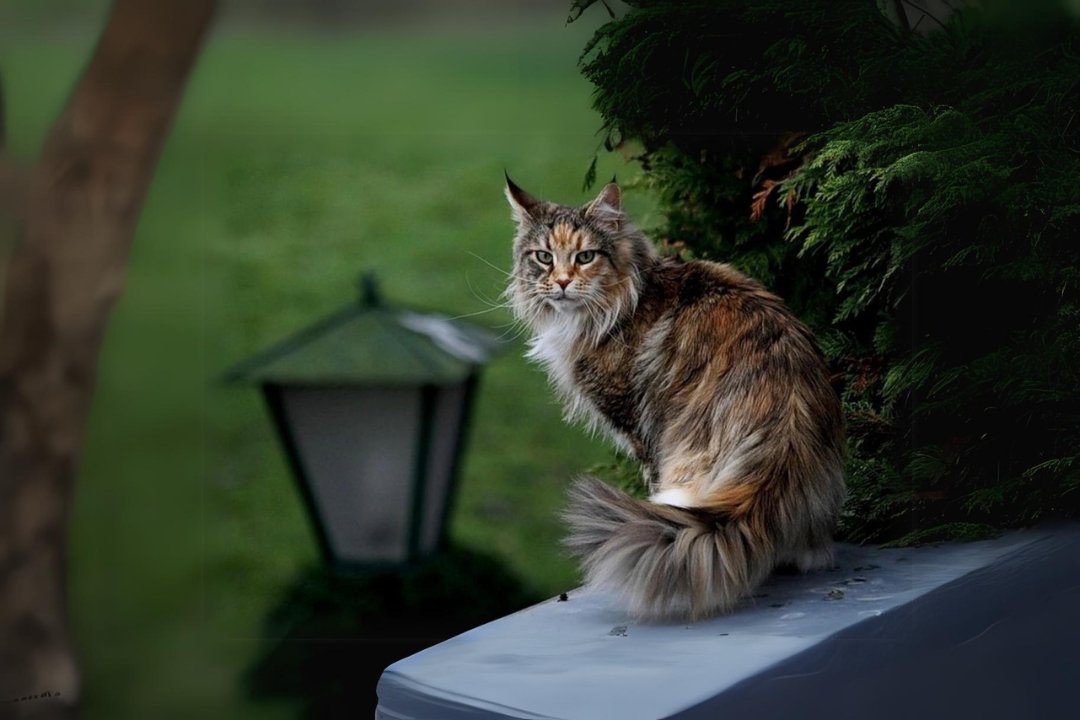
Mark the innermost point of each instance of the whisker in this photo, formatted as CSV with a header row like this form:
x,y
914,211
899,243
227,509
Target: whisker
x,y
487,262
493,266
478,312
484,299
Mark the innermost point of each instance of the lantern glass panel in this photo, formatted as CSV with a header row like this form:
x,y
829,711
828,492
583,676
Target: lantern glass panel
x,y
358,450
446,425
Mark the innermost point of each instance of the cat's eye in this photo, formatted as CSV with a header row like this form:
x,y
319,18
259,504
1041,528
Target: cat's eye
x,y
585,257
544,256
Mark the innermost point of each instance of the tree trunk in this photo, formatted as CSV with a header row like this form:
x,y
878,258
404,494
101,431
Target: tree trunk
x,y
75,223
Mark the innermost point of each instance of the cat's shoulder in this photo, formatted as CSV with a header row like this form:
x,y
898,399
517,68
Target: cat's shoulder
x,y
688,282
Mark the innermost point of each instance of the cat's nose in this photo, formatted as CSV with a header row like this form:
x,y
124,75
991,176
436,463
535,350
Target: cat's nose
x,y
562,282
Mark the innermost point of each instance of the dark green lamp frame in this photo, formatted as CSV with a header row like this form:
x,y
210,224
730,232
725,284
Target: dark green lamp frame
x,y
368,345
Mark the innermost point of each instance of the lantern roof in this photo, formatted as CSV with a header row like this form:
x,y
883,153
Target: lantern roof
x,y
370,343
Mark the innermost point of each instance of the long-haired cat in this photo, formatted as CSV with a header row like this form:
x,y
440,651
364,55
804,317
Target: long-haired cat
x,y
708,380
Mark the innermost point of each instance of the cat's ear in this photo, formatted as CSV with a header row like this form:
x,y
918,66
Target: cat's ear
x,y
524,205
607,207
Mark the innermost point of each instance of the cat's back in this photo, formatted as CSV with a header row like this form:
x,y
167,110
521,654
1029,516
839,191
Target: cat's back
x,y
712,297
700,316
723,360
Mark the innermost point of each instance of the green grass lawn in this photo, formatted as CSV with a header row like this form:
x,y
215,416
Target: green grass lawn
x,y
298,161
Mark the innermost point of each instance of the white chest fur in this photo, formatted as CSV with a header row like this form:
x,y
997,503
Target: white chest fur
x,y
556,346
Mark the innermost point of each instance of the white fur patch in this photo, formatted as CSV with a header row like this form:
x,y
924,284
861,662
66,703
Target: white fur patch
x,y
558,341
553,346
679,497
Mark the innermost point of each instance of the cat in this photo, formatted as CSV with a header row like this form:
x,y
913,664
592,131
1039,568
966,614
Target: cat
x,y
708,380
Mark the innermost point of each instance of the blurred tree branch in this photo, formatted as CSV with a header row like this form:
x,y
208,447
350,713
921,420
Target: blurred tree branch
x,y
12,183
74,226
14,176
13,179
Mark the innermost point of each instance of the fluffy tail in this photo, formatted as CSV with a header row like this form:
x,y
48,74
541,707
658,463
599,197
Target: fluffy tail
x,y
668,562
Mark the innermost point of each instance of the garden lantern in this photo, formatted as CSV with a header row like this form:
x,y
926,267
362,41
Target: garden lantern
x,y
371,405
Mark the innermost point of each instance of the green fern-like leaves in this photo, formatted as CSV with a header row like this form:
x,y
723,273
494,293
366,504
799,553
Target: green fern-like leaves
x,y
914,198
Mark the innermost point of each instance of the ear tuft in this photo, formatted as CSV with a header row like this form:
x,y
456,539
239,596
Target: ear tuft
x,y
607,207
524,205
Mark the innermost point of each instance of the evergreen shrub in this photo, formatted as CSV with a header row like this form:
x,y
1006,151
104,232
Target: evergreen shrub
x,y
912,192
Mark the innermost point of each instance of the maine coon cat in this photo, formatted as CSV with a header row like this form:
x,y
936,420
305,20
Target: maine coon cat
x,y
708,380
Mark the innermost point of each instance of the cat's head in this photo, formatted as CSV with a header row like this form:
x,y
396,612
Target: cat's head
x,y
582,262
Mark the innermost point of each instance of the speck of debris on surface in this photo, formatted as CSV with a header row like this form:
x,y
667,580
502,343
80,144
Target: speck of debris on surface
x,y
834,595
760,595
724,634
901,559
776,605
618,631
563,597
871,566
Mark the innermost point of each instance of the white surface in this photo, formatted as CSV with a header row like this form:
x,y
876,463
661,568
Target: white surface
x,y
584,659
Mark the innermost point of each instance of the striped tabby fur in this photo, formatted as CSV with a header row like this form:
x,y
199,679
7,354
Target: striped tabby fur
x,y
708,380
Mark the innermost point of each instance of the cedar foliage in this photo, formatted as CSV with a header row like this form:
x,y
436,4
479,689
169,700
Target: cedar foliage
x,y
913,196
